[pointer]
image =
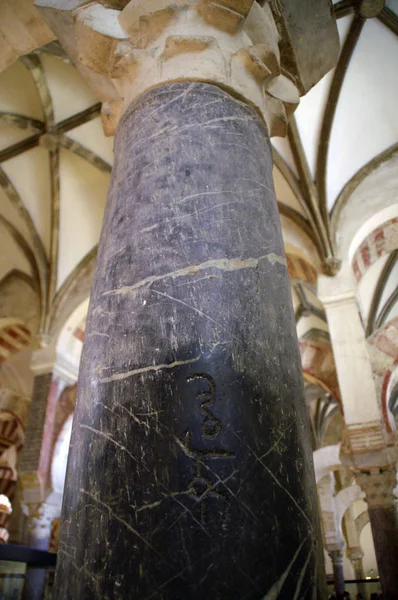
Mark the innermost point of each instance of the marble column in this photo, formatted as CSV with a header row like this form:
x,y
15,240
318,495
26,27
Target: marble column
x,y
188,446
190,472
337,558
378,485
39,518
355,556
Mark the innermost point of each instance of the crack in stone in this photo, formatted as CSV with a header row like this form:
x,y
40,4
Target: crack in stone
x,y
110,439
223,264
275,590
82,569
126,374
259,459
123,522
301,576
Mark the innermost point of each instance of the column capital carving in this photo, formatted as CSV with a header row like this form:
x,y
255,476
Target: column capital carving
x,y
336,555
39,516
378,485
236,44
43,361
355,554
368,446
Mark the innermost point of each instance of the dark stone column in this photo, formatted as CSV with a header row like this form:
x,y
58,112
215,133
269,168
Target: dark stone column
x,y
337,558
378,485
384,523
190,474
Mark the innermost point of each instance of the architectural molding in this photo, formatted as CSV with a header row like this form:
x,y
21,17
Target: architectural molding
x,y
354,182
34,65
372,322
330,110
37,244
26,251
125,53
387,308
361,521
326,460
88,155
75,289
389,19
381,241
331,264
378,485
22,122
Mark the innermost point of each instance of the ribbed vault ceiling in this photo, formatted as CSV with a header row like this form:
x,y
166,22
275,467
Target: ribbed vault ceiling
x,y
55,161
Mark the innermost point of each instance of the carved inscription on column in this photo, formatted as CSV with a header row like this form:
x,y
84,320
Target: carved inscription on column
x,y
204,482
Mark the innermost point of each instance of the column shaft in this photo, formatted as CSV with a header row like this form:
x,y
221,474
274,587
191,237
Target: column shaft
x,y
34,430
35,461
384,523
378,485
338,572
190,473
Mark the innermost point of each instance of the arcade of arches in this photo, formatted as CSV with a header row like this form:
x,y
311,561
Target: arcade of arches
x,y
336,180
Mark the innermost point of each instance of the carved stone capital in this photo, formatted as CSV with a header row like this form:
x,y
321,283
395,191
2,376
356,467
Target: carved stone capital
x,y
370,9
378,485
39,517
355,554
337,556
332,266
232,43
368,445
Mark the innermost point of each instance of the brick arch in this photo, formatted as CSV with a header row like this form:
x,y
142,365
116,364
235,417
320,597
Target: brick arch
x,y
300,268
318,364
383,350
13,414
65,408
14,337
382,241
11,432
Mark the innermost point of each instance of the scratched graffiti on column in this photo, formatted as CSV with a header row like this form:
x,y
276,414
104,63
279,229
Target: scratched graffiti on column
x,y
204,482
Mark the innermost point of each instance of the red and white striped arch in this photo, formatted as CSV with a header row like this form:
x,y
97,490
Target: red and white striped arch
x,y
382,241
383,350
318,365
11,432
14,336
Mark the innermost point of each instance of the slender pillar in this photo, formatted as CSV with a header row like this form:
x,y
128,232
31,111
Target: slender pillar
x,y
332,533
39,517
355,556
378,486
35,464
190,470
367,441
337,558
369,447
362,413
